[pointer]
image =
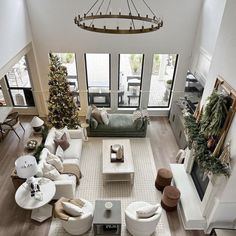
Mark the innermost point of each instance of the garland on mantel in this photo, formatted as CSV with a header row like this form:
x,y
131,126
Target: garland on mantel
x,y
197,142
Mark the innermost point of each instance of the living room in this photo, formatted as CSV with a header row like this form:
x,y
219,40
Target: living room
x,y
196,37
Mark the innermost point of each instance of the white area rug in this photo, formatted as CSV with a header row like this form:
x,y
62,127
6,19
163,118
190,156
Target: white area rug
x,y
91,185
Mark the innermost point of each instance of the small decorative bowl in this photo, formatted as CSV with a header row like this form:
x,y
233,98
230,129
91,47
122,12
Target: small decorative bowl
x,y
31,145
115,147
108,205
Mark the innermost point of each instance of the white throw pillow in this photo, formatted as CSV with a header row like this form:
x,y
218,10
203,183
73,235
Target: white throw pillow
x,y
50,172
72,209
60,153
55,161
147,211
60,132
105,117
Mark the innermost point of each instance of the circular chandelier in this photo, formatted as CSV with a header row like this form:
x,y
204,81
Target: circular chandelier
x,y
104,21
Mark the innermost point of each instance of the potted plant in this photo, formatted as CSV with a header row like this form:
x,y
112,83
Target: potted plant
x,y
169,83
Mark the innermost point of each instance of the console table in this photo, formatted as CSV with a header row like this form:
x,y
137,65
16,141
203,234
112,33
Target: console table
x,y
177,124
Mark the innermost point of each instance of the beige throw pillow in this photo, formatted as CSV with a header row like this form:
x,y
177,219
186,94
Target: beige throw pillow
x,y
147,211
50,172
55,161
105,117
60,153
96,114
72,209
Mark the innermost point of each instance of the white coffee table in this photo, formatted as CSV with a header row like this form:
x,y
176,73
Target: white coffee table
x,y
41,210
117,171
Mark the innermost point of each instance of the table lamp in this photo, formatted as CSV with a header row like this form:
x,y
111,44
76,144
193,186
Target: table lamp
x,y
26,167
37,123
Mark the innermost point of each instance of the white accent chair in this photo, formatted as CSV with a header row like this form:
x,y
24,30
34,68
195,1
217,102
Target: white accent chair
x,y
81,224
141,226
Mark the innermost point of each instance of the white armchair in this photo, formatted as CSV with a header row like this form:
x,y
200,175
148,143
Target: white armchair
x,y
141,226
80,224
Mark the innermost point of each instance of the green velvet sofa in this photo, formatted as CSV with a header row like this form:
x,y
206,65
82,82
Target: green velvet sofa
x,y
120,125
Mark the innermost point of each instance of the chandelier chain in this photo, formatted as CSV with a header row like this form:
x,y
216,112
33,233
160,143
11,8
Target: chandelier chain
x,y
130,13
91,7
108,7
135,7
149,8
97,11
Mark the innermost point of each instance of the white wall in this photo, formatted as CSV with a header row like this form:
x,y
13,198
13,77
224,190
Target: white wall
x,y
207,33
14,29
53,29
223,64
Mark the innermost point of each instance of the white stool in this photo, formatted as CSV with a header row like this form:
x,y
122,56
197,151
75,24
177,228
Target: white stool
x,y
141,226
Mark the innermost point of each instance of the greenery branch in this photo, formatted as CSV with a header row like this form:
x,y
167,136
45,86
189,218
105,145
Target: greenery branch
x,y
196,141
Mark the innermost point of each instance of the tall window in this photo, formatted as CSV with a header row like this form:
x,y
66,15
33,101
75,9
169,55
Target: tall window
x,y
2,100
98,78
68,60
162,78
130,79
18,82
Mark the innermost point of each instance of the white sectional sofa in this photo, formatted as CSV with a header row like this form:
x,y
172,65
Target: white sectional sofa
x,y
66,185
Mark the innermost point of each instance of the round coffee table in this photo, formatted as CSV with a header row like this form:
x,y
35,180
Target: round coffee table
x,y
41,210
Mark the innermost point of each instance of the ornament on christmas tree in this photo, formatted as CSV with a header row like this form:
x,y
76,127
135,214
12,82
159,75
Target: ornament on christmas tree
x,y
62,109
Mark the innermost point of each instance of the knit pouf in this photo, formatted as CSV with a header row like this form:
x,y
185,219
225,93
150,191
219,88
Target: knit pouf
x,y
170,198
163,179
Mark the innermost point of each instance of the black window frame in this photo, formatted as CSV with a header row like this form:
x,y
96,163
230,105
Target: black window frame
x,y
141,81
173,80
21,88
108,97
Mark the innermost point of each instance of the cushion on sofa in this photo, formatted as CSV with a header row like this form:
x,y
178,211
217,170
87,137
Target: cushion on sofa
x,y
60,153
49,142
74,150
96,114
105,117
60,132
63,142
93,123
55,161
50,172
120,121
137,119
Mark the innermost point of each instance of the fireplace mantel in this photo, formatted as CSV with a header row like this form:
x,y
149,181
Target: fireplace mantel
x,y
196,214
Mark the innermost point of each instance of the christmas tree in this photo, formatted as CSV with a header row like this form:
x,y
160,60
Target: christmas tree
x,y
62,110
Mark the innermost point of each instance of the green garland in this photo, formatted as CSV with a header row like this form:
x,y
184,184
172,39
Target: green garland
x,y
196,141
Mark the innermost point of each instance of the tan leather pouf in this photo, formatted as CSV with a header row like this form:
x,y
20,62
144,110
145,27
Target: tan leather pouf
x,y
163,179
170,198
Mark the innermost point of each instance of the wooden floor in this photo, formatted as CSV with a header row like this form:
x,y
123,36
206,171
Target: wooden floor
x,y
16,221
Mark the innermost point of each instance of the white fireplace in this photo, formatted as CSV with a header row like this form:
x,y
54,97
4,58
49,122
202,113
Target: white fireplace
x,y
195,213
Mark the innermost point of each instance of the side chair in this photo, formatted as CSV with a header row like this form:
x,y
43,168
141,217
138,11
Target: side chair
x,y
12,122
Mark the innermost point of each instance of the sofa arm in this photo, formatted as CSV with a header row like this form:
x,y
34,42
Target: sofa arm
x,y
65,188
76,133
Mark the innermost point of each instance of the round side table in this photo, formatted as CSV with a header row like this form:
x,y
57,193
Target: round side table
x,y
85,126
41,210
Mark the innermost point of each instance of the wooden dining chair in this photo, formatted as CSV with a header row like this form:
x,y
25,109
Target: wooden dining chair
x,y
12,122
